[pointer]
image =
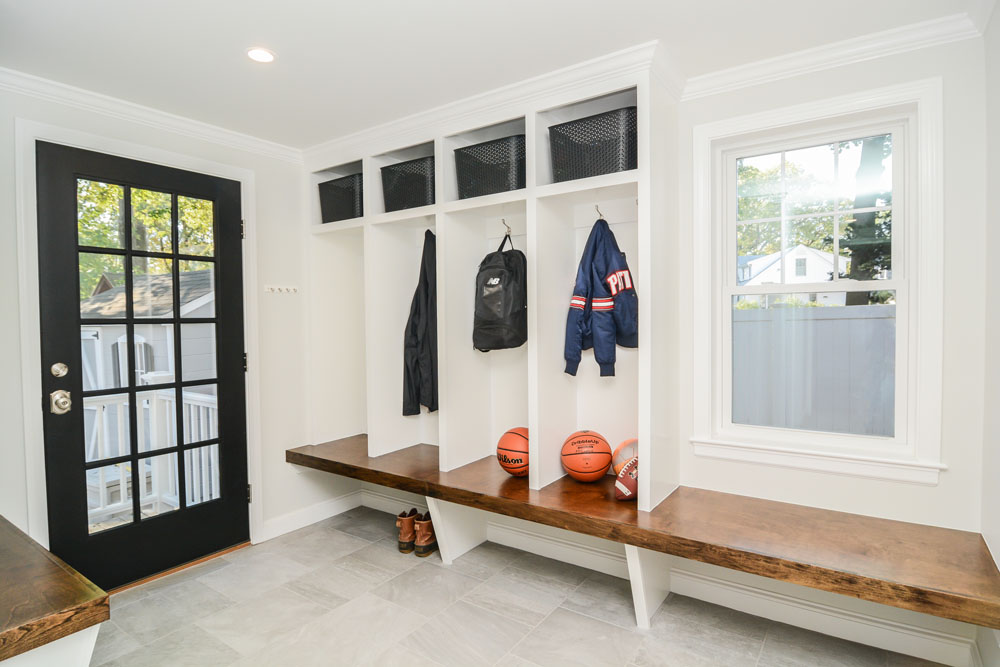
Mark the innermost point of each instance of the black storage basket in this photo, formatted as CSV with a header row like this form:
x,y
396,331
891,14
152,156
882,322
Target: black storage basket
x,y
341,198
490,167
408,184
600,144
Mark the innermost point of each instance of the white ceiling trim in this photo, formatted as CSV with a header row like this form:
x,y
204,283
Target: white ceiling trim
x,y
857,49
60,93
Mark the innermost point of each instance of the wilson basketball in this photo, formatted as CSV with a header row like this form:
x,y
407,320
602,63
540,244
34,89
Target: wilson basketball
x,y
512,451
623,452
586,456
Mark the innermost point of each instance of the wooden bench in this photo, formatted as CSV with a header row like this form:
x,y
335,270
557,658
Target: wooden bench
x,y
937,571
42,599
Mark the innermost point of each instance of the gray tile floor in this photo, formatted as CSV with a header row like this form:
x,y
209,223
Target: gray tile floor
x,y
339,593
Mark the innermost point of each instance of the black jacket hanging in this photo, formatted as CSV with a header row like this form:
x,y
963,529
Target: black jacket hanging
x,y
420,372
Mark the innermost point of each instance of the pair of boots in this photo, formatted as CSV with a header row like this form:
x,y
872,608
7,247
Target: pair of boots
x,y
416,533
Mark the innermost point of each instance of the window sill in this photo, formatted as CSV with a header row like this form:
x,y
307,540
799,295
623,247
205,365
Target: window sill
x,y
915,472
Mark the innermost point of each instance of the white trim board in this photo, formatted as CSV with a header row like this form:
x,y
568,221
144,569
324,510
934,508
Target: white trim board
x,y
26,133
835,54
86,100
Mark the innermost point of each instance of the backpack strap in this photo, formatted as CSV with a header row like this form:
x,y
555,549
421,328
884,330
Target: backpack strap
x,y
504,242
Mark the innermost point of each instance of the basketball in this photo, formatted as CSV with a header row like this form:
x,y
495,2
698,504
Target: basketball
x,y
586,456
623,453
512,451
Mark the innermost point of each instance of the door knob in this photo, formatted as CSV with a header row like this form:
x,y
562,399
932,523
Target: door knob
x,y
60,402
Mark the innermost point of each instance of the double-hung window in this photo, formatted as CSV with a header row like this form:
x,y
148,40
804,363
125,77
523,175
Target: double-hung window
x,y
817,294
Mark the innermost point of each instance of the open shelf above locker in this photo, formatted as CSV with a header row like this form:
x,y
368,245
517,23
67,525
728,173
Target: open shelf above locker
x,y
341,198
571,112
492,165
407,185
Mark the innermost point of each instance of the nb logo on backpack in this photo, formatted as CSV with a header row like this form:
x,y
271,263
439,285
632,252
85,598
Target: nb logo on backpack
x,y
493,281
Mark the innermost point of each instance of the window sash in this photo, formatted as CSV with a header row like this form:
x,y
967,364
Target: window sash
x,y
728,287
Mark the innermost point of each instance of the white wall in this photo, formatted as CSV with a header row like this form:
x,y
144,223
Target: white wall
x,y
991,431
955,501
279,220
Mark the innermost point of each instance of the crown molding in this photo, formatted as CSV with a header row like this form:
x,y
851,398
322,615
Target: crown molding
x,y
857,49
981,13
498,104
78,98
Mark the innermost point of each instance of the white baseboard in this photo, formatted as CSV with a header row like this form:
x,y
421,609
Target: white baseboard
x,y
593,557
307,516
711,584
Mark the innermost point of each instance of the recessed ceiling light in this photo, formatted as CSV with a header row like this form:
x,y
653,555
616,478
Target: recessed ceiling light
x,y
260,55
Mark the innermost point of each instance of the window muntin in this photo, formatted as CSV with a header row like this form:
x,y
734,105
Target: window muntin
x,y
813,340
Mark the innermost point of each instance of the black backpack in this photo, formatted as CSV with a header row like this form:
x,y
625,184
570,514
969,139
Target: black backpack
x,y
501,319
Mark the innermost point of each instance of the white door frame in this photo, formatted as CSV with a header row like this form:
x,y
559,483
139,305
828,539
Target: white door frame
x,y
26,133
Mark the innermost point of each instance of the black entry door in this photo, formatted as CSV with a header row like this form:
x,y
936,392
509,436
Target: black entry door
x,y
140,275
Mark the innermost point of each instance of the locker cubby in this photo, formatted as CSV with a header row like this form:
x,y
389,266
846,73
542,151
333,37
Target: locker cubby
x,y
318,177
568,112
483,394
374,198
449,184
393,252
564,403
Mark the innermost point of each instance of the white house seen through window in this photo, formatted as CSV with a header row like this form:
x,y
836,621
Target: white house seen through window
x,y
812,296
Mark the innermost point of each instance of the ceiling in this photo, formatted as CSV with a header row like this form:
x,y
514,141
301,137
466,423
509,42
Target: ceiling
x,y
343,66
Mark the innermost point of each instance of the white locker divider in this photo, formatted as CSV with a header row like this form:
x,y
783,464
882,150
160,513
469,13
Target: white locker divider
x,y
481,395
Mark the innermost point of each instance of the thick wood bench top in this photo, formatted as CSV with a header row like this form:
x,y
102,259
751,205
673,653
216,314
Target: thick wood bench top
x,y
937,571
42,599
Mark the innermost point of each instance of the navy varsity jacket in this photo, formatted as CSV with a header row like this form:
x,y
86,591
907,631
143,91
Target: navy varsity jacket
x,y
604,310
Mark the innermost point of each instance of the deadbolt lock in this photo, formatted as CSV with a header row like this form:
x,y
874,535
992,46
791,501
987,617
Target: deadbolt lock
x,y
59,369
60,402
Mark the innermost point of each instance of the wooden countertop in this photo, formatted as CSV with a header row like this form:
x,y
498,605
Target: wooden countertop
x,y
937,571
41,598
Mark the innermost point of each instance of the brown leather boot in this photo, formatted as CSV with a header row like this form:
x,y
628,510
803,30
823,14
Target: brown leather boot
x,y
407,534
426,543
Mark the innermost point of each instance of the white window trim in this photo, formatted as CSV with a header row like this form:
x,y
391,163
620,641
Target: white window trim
x,y
915,457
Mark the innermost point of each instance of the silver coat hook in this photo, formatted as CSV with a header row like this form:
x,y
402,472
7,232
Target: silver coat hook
x,y
504,221
599,214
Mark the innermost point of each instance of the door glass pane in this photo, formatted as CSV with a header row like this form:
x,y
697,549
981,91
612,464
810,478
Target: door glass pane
x,y
109,497
99,219
154,354
197,289
105,426
156,419
104,363
823,361
198,351
158,485
201,474
201,413
102,286
152,287
195,226
151,221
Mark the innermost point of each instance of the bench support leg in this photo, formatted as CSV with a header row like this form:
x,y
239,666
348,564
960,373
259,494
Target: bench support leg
x,y
649,574
458,528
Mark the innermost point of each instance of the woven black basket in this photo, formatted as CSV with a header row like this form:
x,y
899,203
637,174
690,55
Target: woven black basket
x,y
408,184
490,167
341,198
600,144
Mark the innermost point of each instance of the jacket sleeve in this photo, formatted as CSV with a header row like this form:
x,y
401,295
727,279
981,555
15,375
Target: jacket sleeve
x,y
420,338
411,355
578,320
602,318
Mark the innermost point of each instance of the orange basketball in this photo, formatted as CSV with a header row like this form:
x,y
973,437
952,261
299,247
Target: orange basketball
x,y
586,456
623,453
512,451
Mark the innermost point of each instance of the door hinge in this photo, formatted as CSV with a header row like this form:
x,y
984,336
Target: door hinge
x,y
243,229
249,493
244,362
